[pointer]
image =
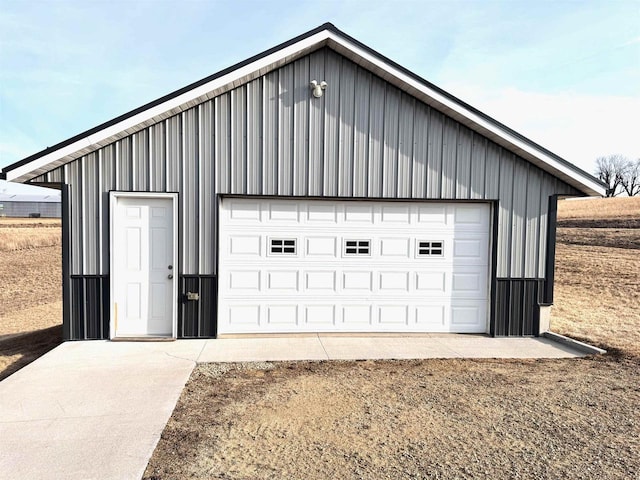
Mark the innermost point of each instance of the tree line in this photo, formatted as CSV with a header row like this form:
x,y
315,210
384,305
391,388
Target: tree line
x,y
620,174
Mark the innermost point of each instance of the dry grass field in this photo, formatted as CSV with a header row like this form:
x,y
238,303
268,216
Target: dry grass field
x,y
597,290
31,293
490,419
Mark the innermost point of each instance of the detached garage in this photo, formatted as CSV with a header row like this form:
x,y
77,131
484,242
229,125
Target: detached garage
x,y
315,187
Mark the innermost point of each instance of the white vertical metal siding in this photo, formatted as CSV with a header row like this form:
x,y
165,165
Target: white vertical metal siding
x,y
364,138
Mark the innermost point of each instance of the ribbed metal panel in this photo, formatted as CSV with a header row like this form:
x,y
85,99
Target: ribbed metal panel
x,y
376,134
239,140
463,163
270,137
478,167
420,150
73,174
140,160
362,138
346,129
206,187
107,171
316,129
329,179
405,146
197,319
254,118
449,153
434,155
157,157
90,210
518,214
300,157
189,191
286,137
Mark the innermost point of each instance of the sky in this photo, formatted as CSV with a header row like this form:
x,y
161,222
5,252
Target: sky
x,y
565,74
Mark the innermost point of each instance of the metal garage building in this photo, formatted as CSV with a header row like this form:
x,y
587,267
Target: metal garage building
x,y
21,205
315,187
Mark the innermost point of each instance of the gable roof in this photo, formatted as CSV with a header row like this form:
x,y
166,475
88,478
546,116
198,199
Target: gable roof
x,y
326,35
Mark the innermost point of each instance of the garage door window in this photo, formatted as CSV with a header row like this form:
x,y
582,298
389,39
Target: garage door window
x,y
430,248
282,246
357,247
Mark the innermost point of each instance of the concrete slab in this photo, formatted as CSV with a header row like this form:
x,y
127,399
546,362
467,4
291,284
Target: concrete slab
x,y
259,349
96,409
91,409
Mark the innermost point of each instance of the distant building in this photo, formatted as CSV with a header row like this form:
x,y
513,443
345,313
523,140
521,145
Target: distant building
x,y
18,205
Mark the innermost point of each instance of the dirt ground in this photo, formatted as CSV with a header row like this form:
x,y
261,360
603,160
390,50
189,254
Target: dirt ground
x,y
494,419
31,292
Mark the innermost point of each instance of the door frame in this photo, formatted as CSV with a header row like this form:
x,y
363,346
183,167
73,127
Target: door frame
x,y
114,197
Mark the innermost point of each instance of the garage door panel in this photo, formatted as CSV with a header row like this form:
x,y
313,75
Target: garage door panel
x,y
357,280
430,317
430,282
244,281
396,284
470,249
325,247
282,281
358,213
245,245
320,315
243,316
322,213
283,212
468,317
320,281
242,210
396,214
433,215
393,282
282,315
357,315
393,315
394,247
471,216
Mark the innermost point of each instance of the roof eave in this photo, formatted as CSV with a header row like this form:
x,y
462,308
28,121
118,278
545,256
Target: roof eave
x,y
325,35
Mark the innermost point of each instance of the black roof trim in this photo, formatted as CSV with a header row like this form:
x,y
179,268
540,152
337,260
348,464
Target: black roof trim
x,y
326,26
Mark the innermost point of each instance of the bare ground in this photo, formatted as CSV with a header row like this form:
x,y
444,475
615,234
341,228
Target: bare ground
x,y
497,419
31,292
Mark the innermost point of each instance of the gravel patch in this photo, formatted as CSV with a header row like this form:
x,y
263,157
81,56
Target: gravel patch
x,y
526,419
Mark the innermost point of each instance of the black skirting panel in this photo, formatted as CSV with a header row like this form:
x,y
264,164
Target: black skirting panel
x,y
517,307
89,315
197,317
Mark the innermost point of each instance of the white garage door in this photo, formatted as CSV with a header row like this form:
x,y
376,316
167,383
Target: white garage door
x,y
352,266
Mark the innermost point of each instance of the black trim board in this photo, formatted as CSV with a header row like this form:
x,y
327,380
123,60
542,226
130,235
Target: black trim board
x,y
66,262
550,261
331,28
495,204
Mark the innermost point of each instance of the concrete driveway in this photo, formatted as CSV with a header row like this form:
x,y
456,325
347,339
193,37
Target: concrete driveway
x,y
96,409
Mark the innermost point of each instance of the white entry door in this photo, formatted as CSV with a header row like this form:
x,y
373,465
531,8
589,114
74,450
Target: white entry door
x,y
143,274
352,266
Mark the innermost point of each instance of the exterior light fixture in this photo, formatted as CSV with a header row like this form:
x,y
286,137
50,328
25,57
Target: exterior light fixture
x,y
317,88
